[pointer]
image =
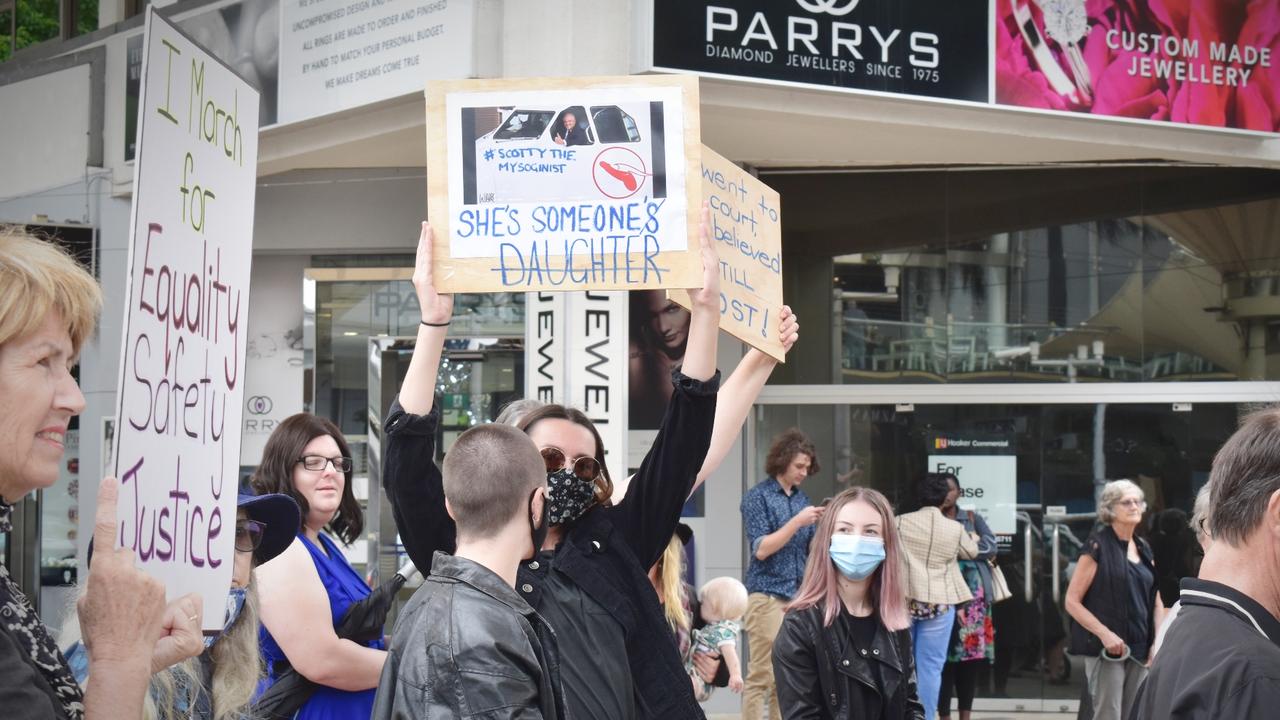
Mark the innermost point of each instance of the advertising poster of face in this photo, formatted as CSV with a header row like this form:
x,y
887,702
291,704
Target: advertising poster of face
x,y
181,390
1205,63
564,184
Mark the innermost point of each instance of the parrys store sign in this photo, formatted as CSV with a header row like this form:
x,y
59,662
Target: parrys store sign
x,y
1209,63
930,48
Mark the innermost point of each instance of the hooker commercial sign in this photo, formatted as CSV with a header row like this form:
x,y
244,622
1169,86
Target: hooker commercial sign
x,y
912,47
1211,63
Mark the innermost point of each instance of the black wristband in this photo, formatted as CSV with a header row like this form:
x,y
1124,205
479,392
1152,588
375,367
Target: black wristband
x,y
443,324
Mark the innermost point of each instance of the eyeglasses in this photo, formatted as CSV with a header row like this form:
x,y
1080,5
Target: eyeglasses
x,y
249,535
1132,502
316,463
584,467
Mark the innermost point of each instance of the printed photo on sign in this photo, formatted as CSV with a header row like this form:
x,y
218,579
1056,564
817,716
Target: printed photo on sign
x,y
1135,59
564,184
529,153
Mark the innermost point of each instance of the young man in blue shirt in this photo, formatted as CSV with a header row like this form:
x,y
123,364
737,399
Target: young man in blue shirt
x,y
778,519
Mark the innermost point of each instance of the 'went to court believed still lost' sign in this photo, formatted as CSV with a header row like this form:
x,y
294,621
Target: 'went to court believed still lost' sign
x,y
746,227
181,389
564,183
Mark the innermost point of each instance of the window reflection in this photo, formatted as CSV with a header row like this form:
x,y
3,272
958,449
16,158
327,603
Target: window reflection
x,y
1030,276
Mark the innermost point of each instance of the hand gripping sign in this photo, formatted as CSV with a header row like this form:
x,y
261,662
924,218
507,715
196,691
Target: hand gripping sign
x,y
564,184
177,436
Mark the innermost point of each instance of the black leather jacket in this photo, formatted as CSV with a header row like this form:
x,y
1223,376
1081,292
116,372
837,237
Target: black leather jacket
x,y
467,646
821,675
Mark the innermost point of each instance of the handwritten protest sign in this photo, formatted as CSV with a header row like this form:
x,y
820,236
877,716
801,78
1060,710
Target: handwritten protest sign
x,y
181,388
746,225
564,184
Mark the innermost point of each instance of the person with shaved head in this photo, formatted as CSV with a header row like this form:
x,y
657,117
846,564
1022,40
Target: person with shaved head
x,y
467,645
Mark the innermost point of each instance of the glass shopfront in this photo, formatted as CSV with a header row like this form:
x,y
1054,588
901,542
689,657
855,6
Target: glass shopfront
x,y
1033,469
1039,332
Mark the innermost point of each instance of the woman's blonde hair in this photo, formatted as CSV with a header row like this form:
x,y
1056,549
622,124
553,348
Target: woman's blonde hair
x,y
671,581
237,668
38,277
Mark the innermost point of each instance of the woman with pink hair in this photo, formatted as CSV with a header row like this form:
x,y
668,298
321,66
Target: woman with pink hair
x,y
844,650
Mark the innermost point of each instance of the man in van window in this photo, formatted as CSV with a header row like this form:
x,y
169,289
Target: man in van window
x,y
1221,657
573,134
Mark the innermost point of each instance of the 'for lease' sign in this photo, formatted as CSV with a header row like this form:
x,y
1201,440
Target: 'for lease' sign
x,y
182,369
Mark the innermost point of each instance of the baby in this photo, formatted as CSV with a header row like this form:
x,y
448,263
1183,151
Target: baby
x,y
724,602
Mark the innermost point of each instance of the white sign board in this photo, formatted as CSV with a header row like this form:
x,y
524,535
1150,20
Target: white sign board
x,y
340,54
989,486
557,184
181,388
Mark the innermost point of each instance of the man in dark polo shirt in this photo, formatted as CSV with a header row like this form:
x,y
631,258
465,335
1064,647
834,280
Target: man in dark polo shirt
x,y
1221,656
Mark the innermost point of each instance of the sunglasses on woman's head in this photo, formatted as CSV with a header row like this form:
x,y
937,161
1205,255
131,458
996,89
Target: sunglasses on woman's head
x,y
584,467
249,534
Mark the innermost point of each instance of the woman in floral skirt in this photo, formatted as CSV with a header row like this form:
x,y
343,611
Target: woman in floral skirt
x,y
973,635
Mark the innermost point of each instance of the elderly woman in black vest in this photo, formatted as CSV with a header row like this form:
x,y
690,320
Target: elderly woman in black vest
x,y
1113,605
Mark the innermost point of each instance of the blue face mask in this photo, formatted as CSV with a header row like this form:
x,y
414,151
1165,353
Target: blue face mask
x,y
857,556
235,603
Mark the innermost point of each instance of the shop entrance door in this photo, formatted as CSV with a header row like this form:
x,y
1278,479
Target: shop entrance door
x,y
1033,470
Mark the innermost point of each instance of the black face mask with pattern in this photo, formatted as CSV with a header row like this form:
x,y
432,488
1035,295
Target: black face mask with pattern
x,y
568,496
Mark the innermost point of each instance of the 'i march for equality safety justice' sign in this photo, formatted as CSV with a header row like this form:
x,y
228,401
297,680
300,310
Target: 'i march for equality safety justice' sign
x,y
182,365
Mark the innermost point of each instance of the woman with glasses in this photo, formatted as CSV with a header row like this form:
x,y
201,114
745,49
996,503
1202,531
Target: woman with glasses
x,y
1112,603
308,588
588,578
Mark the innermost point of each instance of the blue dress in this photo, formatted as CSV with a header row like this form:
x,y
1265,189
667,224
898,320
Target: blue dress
x,y
344,587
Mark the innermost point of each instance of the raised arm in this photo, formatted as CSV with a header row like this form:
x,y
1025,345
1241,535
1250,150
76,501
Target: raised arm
x,y
647,516
295,610
739,393
410,475
704,323
417,394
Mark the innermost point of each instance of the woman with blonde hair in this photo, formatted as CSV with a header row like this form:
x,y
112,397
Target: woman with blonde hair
x,y
48,309
844,649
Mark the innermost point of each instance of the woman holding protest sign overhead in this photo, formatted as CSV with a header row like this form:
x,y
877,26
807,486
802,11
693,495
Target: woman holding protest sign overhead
x,y
308,588
48,308
588,580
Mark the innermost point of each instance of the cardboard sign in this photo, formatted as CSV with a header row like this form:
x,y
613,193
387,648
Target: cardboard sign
x,y
177,439
564,184
746,226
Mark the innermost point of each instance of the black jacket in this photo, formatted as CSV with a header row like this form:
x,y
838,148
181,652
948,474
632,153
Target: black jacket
x,y
820,674
1220,660
1108,595
467,646
607,553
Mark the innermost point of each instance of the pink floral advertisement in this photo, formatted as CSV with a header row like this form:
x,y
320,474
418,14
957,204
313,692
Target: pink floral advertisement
x,y
1202,62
